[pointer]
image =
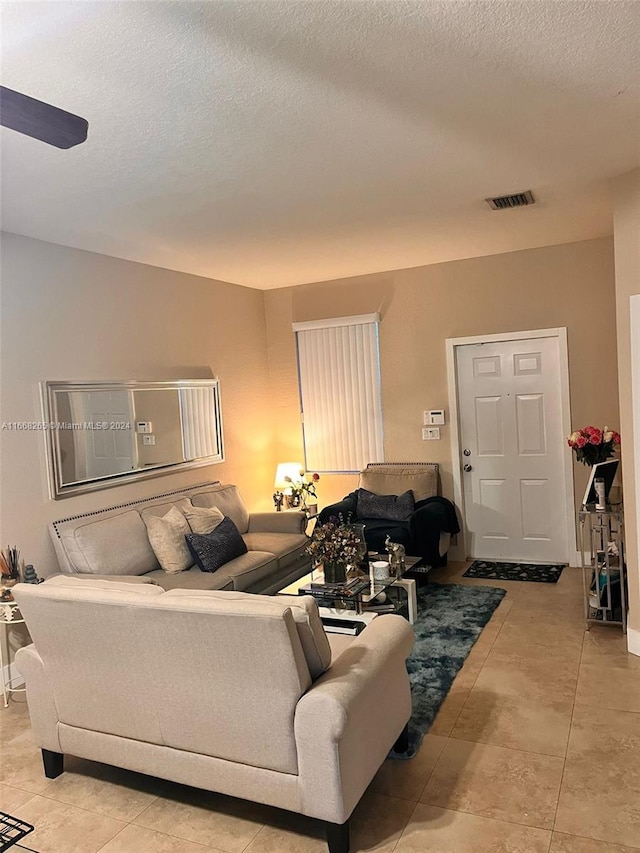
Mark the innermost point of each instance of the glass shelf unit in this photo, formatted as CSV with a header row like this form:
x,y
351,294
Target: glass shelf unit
x,y
604,580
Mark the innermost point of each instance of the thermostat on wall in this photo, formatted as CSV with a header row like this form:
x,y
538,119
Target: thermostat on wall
x,y
434,417
143,426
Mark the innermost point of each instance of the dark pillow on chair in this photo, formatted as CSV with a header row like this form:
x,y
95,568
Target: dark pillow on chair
x,y
212,550
389,507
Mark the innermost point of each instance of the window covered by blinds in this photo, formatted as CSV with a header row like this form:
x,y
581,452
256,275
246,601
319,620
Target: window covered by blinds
x,y
201,426
339,376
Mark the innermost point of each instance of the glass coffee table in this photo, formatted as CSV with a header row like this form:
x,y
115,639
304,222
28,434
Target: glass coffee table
x,y
359,596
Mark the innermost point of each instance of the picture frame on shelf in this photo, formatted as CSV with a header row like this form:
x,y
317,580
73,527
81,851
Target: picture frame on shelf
x,y
607,470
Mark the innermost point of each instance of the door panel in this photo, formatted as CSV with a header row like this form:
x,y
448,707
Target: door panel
x,y
530,419
535,509
510,406
493,502
489,426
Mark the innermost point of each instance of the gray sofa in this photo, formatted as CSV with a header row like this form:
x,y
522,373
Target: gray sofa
x,y
113,543
220,690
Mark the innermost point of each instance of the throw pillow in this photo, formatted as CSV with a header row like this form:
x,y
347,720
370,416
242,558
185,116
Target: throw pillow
x,y
166,535
388,507
212,550
203,520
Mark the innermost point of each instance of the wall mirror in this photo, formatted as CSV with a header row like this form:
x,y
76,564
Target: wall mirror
x,y
101,434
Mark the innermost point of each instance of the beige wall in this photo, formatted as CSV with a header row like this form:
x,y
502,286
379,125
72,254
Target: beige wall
x,y
69,314
570,285
627,260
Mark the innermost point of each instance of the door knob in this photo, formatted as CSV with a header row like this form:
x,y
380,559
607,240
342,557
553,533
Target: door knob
x,y
466,451
468,467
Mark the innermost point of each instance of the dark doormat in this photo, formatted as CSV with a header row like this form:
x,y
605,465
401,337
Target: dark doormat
x,y
515,571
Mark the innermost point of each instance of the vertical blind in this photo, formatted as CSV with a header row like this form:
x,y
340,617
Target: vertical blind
x,y
200,424
339,376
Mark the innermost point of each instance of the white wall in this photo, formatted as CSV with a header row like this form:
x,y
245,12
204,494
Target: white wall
x,y
626,225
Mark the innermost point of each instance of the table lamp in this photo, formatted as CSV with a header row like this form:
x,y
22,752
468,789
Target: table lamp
x,y
287,473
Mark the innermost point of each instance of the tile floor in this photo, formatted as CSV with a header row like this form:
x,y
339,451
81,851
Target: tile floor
x,y
535,750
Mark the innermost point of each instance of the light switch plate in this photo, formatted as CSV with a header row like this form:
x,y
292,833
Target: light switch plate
x,y
148,439
430,433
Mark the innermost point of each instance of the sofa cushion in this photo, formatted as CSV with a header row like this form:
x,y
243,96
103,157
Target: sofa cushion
x,y
389,507
202,519
305,613
249,569
167,537
162,508
213,550
287,547
227,499
423,482
315,642
192,579
118,545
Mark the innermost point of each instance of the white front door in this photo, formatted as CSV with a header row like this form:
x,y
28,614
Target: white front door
x,y
109,451
512,444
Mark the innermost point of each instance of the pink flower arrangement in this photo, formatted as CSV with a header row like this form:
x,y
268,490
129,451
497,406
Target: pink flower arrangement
x,y
593,445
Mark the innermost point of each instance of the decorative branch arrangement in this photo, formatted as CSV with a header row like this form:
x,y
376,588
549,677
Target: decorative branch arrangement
x,y
10,564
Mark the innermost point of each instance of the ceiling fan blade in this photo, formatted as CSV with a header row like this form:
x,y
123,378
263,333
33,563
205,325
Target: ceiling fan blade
x,y
41,121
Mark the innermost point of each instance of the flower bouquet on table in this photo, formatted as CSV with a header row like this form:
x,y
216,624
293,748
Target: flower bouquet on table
x,y
592,445
336,546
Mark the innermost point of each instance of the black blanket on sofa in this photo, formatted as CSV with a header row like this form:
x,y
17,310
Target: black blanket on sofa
x,y
420,535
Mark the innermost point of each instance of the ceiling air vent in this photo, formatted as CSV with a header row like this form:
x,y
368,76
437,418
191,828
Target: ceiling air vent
x,y
502,202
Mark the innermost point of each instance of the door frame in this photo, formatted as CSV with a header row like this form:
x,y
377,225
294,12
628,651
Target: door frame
x,y
460,550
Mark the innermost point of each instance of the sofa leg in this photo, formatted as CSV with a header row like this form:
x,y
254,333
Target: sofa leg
x,y
53,763
402,744
338,837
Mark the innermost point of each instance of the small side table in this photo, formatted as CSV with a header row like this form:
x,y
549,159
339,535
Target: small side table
x,y
9,615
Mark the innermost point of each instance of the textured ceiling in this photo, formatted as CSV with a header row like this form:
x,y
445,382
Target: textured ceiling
x,y
271,143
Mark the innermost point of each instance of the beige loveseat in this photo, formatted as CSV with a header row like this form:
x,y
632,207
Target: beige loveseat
x,y
224,691
114,543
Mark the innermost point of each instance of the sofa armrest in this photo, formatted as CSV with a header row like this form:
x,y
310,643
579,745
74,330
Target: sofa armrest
x,y
433,518
349,719
345,508
42,705
277,522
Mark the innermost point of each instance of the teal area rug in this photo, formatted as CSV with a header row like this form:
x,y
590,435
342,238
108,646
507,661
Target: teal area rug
x,y
450,619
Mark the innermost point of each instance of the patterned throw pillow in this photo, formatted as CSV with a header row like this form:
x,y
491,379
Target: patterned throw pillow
x,y
388,507
212,550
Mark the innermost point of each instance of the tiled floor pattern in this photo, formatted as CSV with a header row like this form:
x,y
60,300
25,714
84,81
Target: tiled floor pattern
x,y
535,750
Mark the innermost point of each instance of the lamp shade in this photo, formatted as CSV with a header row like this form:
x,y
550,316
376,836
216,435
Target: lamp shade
x,y
288,469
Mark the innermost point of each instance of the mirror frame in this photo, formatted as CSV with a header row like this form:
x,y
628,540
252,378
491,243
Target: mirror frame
x,y
59,490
